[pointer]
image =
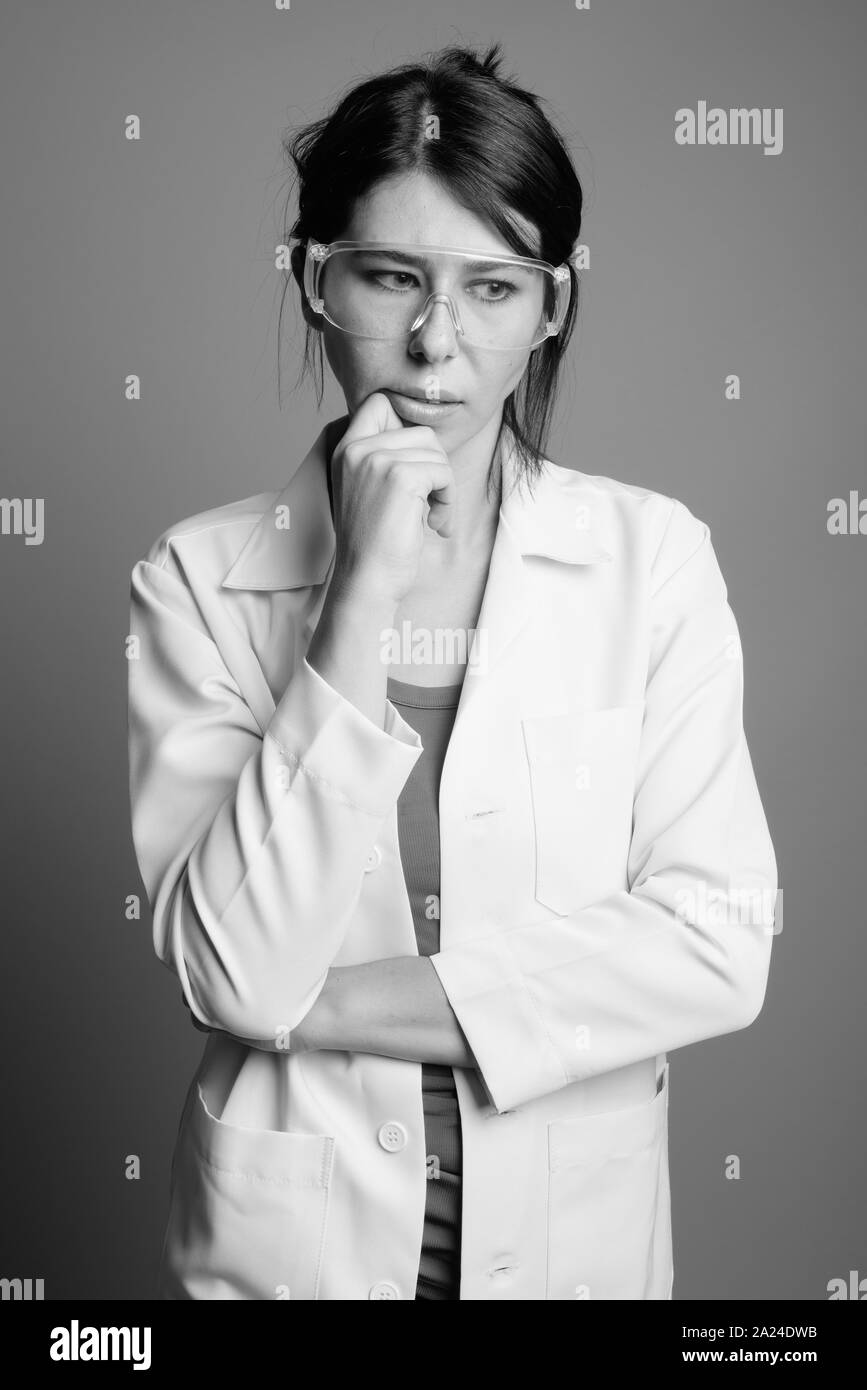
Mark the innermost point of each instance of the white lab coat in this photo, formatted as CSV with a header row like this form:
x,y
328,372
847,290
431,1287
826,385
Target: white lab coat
x,y
600,827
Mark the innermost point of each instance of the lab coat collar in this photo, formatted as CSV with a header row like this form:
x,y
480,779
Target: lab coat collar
x,y
293,544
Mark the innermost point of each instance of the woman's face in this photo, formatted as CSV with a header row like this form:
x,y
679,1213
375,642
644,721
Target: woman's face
x,y
414,208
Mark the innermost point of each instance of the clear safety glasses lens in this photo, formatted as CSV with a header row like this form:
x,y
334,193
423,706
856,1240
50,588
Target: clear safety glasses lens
x,y
388,293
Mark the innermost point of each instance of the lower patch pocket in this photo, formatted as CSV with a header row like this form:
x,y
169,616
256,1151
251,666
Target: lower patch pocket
x,y
609,1212
248,1211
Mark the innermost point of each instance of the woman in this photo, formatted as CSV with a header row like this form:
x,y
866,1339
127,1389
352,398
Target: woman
x,y
439,784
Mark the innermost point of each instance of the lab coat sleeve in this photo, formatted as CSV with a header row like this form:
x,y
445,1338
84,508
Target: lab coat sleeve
x,y
251,846
684,953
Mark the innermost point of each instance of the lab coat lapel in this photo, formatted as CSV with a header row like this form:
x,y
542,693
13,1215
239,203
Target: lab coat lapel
x,y
521,630
293,543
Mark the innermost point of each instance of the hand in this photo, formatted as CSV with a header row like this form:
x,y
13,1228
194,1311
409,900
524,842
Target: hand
x,y
390,481
300,1039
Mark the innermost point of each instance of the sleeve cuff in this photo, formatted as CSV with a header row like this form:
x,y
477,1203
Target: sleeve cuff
x,y
327,735
500,1021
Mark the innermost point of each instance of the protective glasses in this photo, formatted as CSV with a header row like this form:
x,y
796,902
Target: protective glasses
x,y
387,291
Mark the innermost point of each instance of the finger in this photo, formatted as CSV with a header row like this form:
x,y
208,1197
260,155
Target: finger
x,y
423,472
441,519
421,457
418,439
443,498
433,482
374,416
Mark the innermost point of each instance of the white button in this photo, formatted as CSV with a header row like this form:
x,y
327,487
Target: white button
x,y
373,860
383,1290
392,1136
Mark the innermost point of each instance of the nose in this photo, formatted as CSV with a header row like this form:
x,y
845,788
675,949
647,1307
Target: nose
x,y
435,332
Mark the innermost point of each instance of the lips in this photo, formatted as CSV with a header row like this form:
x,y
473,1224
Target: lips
x,y
441,398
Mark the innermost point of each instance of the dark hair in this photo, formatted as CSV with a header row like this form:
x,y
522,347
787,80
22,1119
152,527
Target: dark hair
x,y
498,152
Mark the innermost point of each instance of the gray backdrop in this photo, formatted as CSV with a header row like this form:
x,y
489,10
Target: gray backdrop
x,y
156,257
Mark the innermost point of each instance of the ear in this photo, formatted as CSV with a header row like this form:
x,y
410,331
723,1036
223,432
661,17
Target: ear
x,y
297,260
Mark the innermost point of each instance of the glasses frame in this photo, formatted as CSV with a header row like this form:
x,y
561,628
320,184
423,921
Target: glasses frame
x,y
318,252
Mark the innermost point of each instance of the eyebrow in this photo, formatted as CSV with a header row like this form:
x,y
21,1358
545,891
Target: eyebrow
x,y
422,262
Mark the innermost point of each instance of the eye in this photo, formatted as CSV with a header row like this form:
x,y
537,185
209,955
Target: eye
x,y
380,277
496,291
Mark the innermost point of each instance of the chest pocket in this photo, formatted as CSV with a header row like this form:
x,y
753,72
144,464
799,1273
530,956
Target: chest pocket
x,y
248,1211
582,775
